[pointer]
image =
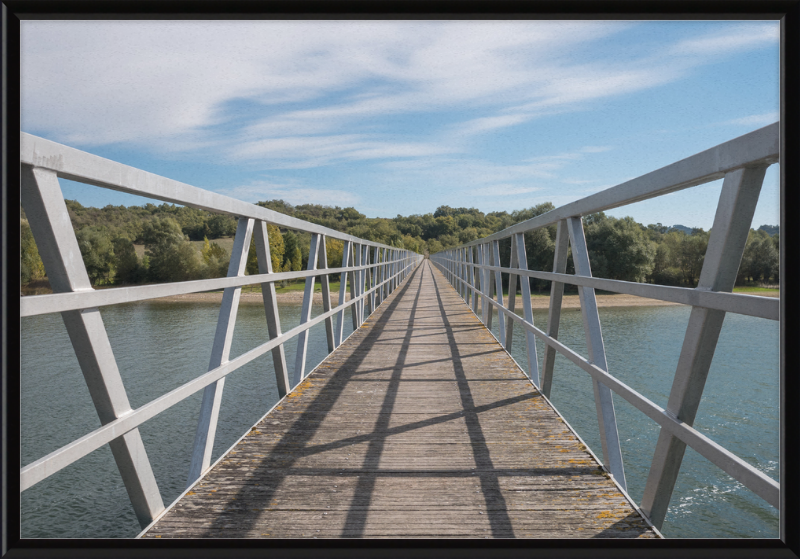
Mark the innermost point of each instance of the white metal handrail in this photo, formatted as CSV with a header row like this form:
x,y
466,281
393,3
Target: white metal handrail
x,y
42,163
742,162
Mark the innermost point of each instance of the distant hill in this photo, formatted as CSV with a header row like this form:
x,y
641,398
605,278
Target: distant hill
x,y
687,230
770,229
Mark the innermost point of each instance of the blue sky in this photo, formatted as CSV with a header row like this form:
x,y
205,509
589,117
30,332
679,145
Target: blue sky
x,y
397,117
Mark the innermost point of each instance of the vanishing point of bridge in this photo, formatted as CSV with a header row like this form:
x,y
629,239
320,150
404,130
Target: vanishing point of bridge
x,y
420,424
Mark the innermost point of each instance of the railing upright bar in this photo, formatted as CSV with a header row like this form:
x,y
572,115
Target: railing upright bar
x,y
271,311
554,312
346,257
606,417
305,313
512,295
367,282
525,285
375,268
474,274
55,238
354,284
484,284
498,277
737,203
325,285
220,352
488,258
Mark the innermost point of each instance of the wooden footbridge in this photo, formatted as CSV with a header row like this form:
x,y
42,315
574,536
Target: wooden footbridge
x,y
420,424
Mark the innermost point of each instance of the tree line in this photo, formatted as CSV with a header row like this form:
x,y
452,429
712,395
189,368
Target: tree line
x,y
619,248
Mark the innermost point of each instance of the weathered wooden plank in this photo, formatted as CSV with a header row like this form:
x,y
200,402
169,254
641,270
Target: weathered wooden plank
x,y
420,425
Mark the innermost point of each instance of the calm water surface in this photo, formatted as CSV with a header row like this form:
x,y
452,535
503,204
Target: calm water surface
x,y
160,346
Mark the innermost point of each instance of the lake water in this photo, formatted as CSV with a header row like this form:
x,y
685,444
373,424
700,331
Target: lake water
x,y
160,346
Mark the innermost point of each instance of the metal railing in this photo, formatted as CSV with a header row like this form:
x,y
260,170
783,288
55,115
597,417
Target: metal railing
x,y
742,162
374,271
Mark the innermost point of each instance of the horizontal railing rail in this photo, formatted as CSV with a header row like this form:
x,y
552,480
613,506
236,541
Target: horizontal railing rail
x,y
372,271
742,163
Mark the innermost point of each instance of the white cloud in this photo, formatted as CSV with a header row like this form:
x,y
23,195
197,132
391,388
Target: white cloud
x,y
728,41
295,94
293,194
755,120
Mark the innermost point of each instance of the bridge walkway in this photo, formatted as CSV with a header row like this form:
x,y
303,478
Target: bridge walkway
x,y
419,425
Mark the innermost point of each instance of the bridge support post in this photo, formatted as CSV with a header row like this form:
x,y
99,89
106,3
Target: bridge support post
x,y
49,220
554,313
469,272
606,417
498,278
305,313
271,308
354,284
512,295
367,303
462,260
737,203
484,261
374,297
488,260
525,285
220,351
346,257
325,284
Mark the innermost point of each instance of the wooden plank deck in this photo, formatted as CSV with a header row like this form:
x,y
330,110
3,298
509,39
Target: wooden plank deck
x,y
420,425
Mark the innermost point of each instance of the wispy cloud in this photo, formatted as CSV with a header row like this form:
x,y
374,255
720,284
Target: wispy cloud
x,y
732,39
293,194
178,86
755,120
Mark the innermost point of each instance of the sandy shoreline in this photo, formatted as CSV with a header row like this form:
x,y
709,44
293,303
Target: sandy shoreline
x,y
538,302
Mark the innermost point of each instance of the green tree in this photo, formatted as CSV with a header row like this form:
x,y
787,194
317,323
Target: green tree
x,y
619,249
276,251
128,269
221,225
171,256
97,252
760,260
212,250
31,266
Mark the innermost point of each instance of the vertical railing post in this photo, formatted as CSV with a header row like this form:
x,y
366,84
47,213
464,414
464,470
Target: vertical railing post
x,y
498,277
354,285
554,313
271,307
474,252
606,417
373,286
325,286
367,281
483,259
305,313
220,351
726,243
346,257
385,274
464,275
512,294
50,224
525,288
488,257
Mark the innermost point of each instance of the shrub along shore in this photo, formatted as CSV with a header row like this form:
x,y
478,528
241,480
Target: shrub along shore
x,y
152,244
